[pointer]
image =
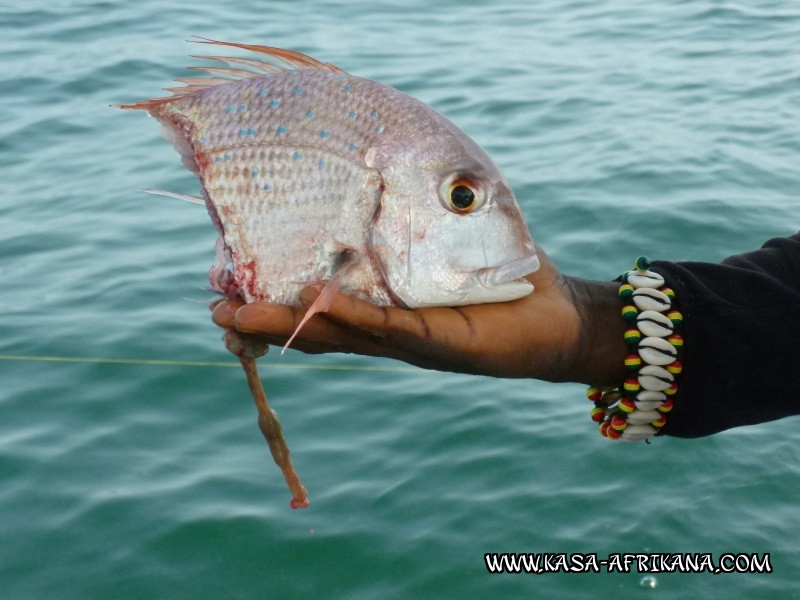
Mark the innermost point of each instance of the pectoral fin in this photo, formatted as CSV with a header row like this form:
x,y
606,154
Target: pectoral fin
x,y
323,301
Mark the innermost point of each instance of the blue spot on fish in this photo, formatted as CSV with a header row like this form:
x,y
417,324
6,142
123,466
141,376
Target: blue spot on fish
x,y
230,110
254,172
378,128
309,114
263,92
298,90
274,103
266,187
323,134
242,107
218,159
281,130
228,156
297,155
352,114
373,114
352,147
247,132
347,88
321,163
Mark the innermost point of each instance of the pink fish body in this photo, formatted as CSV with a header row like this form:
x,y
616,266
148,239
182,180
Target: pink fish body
x,y
311,174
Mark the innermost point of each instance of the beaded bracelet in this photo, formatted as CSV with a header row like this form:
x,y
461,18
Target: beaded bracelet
x,y
636,410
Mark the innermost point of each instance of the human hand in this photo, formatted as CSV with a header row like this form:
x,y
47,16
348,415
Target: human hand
x,y
566,330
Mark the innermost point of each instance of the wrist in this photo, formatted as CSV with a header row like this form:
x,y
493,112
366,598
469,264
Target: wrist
x,y
598,358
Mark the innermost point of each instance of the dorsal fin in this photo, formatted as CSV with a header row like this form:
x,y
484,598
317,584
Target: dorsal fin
x,y
290,57
288,60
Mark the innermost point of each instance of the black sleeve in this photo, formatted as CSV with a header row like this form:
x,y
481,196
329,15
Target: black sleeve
x,y
741,329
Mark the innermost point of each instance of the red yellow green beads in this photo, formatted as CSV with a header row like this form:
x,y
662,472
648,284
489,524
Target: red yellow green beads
x,y
633,337
633,362
675,368
676,340
637,409
629,312
631,385
675,316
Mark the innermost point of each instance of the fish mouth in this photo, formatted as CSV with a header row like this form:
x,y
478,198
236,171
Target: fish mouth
x,y
516,269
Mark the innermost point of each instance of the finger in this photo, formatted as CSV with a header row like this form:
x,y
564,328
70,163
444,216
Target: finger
x,y
277,322
224,312
379,321
270,319
440,338
274,323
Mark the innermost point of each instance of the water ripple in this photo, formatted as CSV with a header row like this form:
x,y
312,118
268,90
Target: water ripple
x,y
619,125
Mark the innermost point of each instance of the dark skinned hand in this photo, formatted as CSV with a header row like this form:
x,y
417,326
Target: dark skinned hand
x,y
568,329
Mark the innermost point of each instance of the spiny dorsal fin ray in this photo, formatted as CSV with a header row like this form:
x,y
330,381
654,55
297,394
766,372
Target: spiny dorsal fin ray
x,y
224,71
292,60
185,89
265,67
202,81
195,84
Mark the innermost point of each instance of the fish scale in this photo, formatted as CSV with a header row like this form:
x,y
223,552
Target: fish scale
x,y
285,150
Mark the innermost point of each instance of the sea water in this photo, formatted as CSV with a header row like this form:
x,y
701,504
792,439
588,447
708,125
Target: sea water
x,y
130,461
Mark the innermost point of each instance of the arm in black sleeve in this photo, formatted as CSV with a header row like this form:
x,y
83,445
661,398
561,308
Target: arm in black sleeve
x,y
742,339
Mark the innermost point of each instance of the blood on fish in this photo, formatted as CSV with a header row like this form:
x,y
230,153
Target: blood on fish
x,y
245,273
202,160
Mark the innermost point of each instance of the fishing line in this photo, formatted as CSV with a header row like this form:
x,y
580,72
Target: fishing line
x,y
158,362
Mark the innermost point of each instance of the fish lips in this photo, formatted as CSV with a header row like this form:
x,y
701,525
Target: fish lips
x,y
516,269
503,283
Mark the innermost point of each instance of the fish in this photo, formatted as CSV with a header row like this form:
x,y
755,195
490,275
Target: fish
x,y
312,175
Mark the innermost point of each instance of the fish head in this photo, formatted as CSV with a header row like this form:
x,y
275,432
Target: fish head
x,y
449,231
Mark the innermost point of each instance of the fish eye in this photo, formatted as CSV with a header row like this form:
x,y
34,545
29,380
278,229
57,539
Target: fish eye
x,y
463,195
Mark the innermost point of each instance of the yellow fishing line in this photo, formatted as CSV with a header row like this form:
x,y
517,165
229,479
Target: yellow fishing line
x,y
158,362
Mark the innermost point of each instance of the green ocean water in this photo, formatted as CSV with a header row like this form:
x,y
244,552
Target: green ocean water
x,y
665,128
